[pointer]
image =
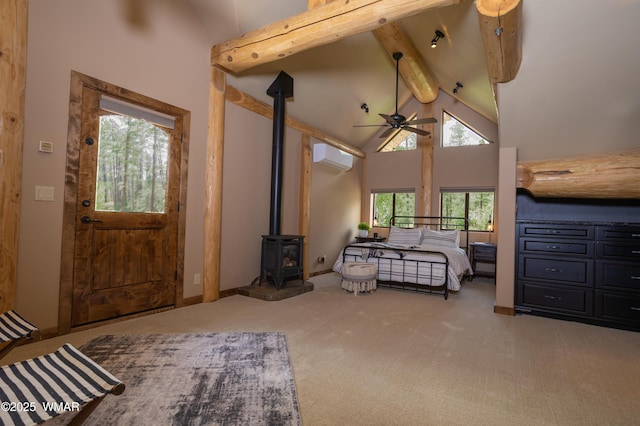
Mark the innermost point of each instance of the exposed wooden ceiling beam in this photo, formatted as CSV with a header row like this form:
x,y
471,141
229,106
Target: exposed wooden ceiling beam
x,y
415,73
316,27
501,28
607,175
246,101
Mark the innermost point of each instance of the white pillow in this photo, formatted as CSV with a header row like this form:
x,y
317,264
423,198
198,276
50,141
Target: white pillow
x,y
405,236
441,238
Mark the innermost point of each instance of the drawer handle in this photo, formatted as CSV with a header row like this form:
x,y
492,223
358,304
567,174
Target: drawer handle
x,y
553,270
553,247
635,235
634,308
553,232
635,251
633,277
546,296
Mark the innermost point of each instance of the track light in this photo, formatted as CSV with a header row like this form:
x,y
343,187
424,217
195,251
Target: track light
x,y
458,87
438,36
365,107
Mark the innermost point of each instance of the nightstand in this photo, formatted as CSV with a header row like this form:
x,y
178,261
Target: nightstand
x,y
483,253
370,239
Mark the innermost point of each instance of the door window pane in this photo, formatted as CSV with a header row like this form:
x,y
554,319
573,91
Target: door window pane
x,y
132,165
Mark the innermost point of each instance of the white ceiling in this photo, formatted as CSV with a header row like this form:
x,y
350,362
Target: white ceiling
x,y
332,81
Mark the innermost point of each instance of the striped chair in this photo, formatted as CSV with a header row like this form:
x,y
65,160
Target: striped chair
x,y
66,380
13,330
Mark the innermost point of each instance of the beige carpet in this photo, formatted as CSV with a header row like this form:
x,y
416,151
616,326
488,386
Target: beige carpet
x,y
398,357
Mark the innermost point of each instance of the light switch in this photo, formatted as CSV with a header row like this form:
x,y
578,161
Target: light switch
x,y
45,146
44,193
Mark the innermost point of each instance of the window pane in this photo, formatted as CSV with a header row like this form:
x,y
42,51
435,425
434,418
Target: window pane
x,y
456,133
383,205
480,210
479,207
132,165
388,204
405,204
453,204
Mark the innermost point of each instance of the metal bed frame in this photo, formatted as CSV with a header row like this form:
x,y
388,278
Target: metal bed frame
x,y
415,269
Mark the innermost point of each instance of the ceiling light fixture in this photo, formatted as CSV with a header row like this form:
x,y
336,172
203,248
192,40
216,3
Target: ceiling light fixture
x,y
434,41
365,107
458,87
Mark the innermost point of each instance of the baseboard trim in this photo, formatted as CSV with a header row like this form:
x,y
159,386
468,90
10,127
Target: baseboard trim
x,y
229,292
326,271
503,310
191,301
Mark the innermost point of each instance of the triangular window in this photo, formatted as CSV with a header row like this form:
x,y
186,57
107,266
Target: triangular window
x,y
456,133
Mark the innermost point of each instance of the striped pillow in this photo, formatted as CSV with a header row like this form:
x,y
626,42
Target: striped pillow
x,y
441,238
405,236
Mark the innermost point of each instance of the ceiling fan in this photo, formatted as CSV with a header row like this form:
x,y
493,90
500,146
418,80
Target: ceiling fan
x,y
399,121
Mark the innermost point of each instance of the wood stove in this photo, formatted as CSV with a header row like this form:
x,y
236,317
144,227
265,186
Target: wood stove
x,y
281,258
281,254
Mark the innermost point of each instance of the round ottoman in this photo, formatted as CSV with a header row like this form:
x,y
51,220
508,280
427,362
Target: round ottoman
x,y
359,277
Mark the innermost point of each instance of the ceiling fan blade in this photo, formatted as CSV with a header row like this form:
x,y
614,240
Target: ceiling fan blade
x,y
416,131
387,132
389,119
422,121
371,125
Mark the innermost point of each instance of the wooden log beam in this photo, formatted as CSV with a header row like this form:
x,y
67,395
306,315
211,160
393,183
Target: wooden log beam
x,y
608,175
304,200
426,156
13,58
501,28
315,27
412,68
249,102
213,188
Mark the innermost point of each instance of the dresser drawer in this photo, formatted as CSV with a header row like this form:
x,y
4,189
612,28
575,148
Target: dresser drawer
x,y
578,248
624,276
556,231
629,233
614,306
610,249
566,299
577,272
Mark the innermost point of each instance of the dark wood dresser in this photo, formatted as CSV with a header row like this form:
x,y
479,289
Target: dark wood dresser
x,y
579,261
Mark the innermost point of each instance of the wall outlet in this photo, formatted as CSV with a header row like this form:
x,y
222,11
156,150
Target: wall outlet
x,y
44,193
196,279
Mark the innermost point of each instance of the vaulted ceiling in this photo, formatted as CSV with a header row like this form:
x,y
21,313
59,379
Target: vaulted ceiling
x,y
332,81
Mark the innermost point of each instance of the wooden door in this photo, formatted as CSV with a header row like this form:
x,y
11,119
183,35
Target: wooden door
x,y
126,244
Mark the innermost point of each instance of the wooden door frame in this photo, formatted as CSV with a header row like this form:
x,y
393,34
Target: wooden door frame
x,y
78,83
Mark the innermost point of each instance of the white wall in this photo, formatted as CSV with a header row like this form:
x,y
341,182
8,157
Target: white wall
x,y
577,89
94,38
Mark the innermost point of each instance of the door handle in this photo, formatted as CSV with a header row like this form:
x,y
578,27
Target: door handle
x,y
87,219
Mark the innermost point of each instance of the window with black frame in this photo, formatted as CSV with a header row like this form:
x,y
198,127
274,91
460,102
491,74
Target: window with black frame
x,y
476,205
386,204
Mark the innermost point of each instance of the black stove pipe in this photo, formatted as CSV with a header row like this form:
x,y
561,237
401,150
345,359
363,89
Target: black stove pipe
x,y
280,90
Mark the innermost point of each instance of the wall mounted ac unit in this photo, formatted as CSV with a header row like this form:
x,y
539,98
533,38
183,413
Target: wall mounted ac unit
x,y
331,156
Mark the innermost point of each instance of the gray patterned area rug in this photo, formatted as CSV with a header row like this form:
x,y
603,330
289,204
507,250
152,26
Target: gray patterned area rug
x,y
197,379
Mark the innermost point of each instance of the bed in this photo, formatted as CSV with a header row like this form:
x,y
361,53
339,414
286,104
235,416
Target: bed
x,y
423,253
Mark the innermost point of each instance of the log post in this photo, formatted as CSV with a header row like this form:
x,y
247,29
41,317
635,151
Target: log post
x,y
13,58
304,200
426,174
607,175
213,188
